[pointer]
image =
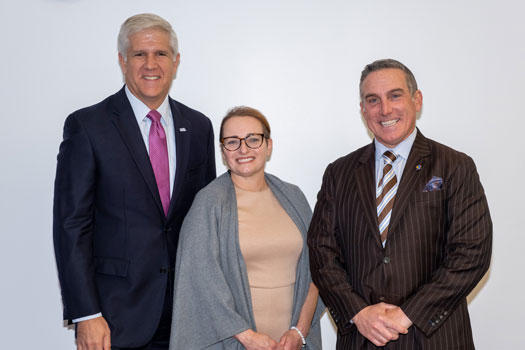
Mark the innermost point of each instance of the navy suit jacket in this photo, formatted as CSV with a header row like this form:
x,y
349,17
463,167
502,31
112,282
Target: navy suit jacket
x,y
438,245
113,242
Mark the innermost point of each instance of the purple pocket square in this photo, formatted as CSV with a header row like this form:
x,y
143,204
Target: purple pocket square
x,y
435,184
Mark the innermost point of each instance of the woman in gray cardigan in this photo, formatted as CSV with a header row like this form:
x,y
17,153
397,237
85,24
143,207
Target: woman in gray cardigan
x,y
231,286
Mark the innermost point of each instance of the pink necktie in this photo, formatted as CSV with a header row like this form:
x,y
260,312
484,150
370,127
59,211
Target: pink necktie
x,y
158,155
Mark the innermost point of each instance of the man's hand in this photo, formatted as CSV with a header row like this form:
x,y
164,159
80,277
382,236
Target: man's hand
x,y
93,334
257,341
374,324
399,317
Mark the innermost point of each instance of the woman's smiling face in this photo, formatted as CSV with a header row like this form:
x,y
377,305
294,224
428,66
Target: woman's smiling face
x,y
245,161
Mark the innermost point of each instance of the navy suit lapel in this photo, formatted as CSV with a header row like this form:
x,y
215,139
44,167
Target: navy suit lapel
x,y
415,175
365,177
126,123
182,145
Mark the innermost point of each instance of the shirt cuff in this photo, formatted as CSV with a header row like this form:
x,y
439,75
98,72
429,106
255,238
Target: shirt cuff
x,y
85,318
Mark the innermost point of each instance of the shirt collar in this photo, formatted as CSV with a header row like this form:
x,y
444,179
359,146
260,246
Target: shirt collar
x,y
141,110
402,150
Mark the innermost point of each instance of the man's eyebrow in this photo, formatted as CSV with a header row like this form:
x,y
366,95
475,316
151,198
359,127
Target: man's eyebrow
x,y
401,90
396,90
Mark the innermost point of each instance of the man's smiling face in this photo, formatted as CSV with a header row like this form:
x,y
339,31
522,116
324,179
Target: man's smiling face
x,y
149,66
388,106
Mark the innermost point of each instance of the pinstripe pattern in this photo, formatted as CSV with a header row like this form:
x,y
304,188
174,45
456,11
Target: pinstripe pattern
x,y
438,248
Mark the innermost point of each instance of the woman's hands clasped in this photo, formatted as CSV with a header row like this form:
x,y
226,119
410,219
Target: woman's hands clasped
x,y
291,340
258,341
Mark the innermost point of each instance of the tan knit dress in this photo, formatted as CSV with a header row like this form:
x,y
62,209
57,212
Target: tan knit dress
x,y
271,244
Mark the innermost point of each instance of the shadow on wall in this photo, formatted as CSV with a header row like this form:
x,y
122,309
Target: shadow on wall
x,y
479,286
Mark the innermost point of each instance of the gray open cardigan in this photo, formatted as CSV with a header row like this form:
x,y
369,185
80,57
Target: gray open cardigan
x,y
212,300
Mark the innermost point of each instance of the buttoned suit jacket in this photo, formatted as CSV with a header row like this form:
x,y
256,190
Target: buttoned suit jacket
x,y
438,246
113,243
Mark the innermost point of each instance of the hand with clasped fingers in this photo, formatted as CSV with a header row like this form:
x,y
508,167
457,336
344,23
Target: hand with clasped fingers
x,y
93,334
257,341
382,323
291,340
397,315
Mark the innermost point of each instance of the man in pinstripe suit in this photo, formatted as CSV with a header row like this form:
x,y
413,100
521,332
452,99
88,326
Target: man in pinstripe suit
x,y
405,288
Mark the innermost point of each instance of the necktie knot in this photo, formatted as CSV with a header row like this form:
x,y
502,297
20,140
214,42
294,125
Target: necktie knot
x,y
154,116
389,157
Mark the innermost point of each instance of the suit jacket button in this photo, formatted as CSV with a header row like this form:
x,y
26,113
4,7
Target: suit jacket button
x,y
163,270
381,298
386,260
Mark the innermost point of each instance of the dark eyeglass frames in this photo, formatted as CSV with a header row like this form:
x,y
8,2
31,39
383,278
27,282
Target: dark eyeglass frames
x,y
233,143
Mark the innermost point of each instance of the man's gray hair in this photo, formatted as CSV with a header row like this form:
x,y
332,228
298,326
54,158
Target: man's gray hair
x,y
142,22
388,64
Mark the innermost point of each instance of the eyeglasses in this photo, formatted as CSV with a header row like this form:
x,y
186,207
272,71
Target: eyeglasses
x,y
233,143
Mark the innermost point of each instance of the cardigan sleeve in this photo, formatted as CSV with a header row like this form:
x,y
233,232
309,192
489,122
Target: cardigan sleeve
x,y
204,308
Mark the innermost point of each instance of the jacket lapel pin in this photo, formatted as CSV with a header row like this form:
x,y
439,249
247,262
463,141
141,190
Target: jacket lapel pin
x,y
182,129
418,167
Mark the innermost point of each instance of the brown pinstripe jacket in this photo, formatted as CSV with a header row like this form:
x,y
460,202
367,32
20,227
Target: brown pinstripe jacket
x,y
438,247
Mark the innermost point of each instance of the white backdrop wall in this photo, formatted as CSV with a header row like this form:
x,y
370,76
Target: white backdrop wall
x,y
298,62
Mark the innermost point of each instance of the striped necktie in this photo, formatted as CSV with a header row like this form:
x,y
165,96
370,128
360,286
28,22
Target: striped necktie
x,y
385,194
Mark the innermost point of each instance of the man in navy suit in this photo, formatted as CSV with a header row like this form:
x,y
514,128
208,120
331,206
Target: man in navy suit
x,y
115,233
401,232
